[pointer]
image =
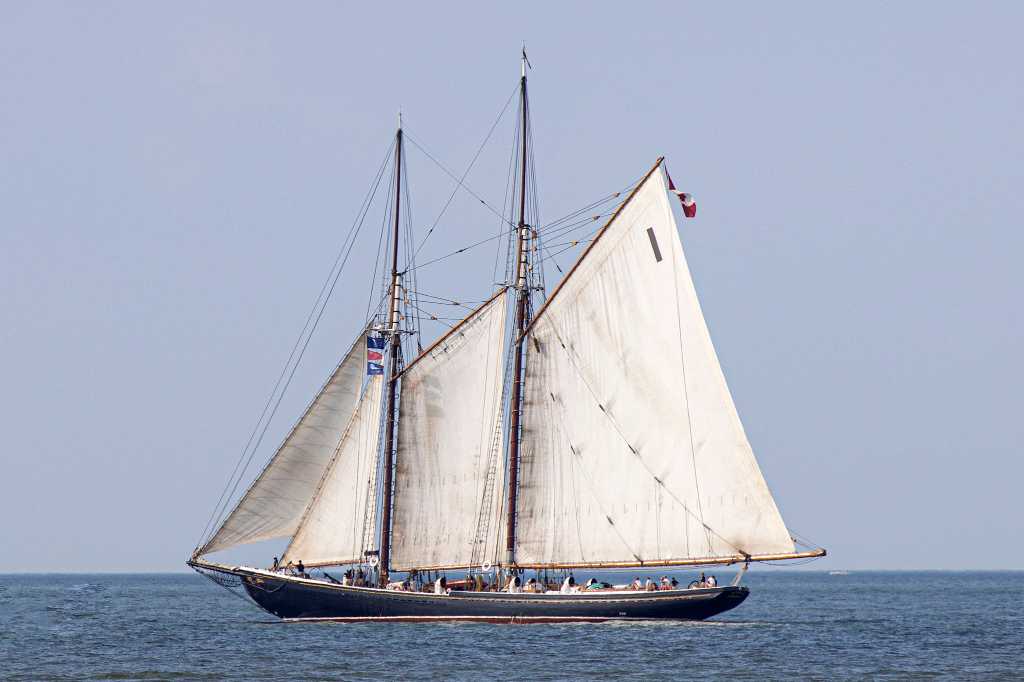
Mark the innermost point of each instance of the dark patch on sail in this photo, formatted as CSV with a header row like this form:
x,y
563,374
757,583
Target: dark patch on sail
x,y
654,244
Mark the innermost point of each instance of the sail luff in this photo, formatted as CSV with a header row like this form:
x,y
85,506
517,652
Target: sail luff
x,y
274,502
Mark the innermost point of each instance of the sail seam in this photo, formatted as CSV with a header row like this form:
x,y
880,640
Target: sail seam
x,y
593,493
330,466
639,457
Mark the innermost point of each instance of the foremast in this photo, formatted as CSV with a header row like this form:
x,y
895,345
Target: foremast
x,y
394,355
522,321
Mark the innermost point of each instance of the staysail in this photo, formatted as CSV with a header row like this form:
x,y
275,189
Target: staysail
x,y
450,447
337,526
275,502
632,450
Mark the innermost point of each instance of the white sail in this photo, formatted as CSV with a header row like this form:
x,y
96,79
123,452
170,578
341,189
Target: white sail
x,y
632,449
337,523
450,447
273,505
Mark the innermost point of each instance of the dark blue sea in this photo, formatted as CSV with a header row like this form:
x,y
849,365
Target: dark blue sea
x,y
795,625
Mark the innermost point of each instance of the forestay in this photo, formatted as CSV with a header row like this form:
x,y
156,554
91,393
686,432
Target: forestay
x,y
632,449
336,527
450,446
273,505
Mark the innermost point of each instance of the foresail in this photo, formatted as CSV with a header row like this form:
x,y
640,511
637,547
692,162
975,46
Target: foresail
x,y
632,449
449,471
337,526
273,505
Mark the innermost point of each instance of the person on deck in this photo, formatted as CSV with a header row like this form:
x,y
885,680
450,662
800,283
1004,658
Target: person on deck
x,y
289,567
712,581
665,584
649,585
276,565
346,580
515,585
674,582
441,586
702,581
569,585
636,584
301,569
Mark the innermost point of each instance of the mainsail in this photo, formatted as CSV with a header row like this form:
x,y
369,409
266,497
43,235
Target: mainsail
x,y
337,526
275,502
450,447
632,450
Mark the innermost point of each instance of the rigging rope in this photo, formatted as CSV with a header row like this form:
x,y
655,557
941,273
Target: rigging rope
x,y
633,450
472,162
593,493
321,302
453,177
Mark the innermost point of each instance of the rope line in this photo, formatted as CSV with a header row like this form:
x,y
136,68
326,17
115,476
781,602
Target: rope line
x,y
633,450
472,162
455,178
342,258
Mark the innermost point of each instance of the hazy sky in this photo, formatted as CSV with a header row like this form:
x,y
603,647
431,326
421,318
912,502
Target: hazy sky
x,y
175,180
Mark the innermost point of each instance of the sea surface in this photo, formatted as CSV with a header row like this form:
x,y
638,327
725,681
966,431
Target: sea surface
x,y
794,625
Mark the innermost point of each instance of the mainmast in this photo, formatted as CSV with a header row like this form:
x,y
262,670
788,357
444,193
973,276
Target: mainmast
x,y
522,287
393,370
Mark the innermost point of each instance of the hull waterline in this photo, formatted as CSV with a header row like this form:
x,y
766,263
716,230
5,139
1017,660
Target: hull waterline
x,y
292,598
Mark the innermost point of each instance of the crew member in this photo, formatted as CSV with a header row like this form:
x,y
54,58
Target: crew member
x,y
441,586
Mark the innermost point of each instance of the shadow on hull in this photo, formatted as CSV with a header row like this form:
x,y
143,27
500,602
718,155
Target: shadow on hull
x,y
297,599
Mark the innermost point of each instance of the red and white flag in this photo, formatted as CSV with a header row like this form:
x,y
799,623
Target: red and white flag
x,y
689,205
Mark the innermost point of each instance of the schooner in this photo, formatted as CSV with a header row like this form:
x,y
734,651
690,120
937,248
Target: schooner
x,y
587,428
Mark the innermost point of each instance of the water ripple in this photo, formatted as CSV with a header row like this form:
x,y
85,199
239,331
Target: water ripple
x,y
795,625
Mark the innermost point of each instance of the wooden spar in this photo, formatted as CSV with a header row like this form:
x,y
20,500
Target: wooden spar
x,y
389,420
654,563
337,562
451,331
522,296
590,246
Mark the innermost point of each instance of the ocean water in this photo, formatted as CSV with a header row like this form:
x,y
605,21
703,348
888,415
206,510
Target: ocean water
x,y
794,625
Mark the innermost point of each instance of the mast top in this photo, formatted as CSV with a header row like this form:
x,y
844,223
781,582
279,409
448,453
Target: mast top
x,y
525,62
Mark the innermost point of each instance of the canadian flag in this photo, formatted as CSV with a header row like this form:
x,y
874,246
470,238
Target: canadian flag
x,y
689,205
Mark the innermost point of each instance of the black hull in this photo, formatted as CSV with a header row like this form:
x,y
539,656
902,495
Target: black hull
x,y
299,599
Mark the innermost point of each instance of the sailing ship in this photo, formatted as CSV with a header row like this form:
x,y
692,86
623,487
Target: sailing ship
x,y
590,428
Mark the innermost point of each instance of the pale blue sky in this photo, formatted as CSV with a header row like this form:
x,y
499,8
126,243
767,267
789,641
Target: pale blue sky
x,y
175,179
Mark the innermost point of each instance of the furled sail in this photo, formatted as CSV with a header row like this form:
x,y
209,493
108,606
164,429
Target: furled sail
x,y
273,505
449,472
632,450
337,526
